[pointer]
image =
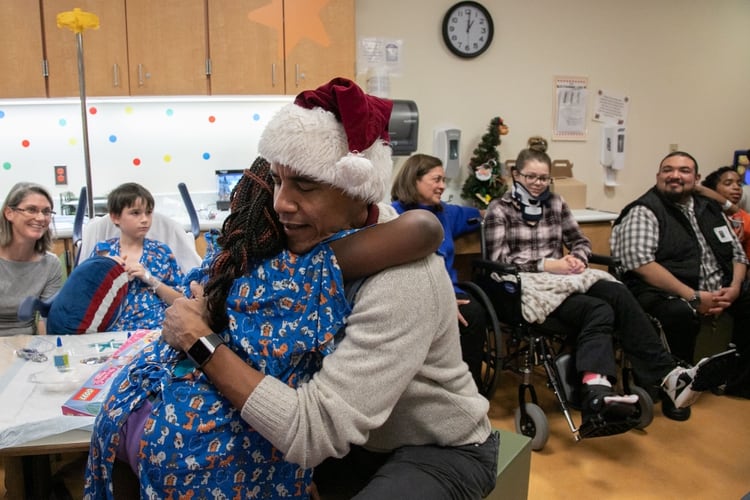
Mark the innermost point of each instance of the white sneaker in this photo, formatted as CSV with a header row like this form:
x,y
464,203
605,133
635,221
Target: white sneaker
x,y
678,386
684,385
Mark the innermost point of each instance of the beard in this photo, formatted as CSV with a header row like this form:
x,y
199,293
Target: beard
x,y
676,196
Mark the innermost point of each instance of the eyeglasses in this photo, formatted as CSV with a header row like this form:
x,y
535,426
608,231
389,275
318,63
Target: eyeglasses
x,y
34,211
532,178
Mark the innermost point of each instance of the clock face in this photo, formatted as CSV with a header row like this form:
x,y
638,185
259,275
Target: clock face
x,y
467,29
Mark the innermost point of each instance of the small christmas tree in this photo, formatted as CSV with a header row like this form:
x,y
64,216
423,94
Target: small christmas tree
x,y
484,182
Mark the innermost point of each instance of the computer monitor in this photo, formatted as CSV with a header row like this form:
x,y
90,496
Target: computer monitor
x,y
225,181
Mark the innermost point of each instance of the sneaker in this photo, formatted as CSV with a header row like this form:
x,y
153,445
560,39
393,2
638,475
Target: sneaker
x,y
671,411
684,385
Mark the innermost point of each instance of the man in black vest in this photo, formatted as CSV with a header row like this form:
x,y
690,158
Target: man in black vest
x,y
683,262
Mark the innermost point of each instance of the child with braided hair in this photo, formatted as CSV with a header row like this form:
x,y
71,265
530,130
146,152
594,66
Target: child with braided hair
x,y
280,312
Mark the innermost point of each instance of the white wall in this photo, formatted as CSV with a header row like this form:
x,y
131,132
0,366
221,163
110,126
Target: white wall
x,y
157,142
685,64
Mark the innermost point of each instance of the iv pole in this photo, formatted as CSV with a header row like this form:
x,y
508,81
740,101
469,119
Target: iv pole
x,y
78,21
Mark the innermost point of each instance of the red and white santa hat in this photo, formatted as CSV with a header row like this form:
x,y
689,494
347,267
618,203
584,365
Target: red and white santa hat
x,y
335,134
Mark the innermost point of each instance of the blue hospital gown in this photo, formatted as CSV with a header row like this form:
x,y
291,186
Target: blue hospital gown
x,y
282,319
142,307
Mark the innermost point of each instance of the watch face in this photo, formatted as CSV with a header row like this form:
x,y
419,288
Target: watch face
x,y
467,29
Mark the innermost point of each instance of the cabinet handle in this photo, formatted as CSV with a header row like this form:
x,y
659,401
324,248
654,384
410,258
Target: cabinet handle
x,y
140,75
116,75
273,74
209,68
45,68
296,75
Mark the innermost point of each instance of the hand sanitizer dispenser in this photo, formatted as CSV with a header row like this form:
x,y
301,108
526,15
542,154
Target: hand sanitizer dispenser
x,y
446,147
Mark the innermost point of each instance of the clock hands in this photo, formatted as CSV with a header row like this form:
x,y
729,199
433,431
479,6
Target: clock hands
x,y
469,22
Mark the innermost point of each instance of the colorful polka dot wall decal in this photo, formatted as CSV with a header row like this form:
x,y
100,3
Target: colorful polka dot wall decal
x,y
72,141
6,165
93,110
2,113
137,162
25,143
206,156
128,110
170,112
256,117
211,119
167,158
63,122
112,138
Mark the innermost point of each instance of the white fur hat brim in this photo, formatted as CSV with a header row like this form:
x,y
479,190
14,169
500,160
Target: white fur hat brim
x,y
312,142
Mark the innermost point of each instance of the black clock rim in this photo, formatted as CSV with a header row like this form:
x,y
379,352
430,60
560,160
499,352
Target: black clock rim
x,y
490,26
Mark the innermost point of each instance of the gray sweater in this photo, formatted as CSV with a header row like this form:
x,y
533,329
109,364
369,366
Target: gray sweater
x,y
18,280
397,377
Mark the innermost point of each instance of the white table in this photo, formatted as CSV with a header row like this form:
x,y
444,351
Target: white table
x,y
32,425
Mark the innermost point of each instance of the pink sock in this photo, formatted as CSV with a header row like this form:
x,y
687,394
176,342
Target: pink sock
x,y
596,379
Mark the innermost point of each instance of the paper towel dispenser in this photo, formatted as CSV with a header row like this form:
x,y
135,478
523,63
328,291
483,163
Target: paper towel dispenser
x,y
403,128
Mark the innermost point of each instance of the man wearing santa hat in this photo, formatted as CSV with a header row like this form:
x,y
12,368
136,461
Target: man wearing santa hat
x,y
395,397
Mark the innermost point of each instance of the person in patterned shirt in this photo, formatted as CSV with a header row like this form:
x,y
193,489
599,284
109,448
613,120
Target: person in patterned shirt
x,y
155,276
528,227
393,410
280,312
685,262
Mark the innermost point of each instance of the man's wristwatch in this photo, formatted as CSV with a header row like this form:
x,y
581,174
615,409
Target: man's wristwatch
x,y
695,300
200,352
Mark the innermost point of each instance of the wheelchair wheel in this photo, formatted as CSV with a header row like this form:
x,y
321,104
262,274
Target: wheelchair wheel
x,y
645,406
491,364
535,425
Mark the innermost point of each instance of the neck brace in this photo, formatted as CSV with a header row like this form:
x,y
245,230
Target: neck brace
x,y
531,208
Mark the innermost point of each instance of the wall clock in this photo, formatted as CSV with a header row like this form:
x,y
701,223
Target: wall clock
x,y
467,29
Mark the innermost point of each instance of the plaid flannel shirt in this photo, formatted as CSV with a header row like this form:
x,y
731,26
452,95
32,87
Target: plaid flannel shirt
x,y
635,239
512,240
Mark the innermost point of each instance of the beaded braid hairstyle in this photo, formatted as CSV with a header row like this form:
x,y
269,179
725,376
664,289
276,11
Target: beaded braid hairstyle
x,y
250,233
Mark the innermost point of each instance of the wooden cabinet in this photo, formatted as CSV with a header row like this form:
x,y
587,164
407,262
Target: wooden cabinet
x,y
141,48
105,50
317,52
147,47
21,50
167,47
281,47
247,57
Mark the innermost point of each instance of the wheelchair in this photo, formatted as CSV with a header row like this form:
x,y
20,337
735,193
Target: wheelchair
x,y
531,345
491,359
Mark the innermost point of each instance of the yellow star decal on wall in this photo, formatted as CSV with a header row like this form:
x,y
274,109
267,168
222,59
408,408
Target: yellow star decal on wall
x,y
304,23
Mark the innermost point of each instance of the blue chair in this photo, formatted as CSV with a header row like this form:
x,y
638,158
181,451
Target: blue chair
x,y
78,226
192,213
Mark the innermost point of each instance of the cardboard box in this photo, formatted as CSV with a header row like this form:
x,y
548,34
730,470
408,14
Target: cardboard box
x,y
572,190
88,400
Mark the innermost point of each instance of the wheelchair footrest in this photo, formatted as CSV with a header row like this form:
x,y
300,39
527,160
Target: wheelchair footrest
x,y
715,370
599,427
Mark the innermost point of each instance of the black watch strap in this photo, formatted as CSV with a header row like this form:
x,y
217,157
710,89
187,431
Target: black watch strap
x,y
200,352
695,300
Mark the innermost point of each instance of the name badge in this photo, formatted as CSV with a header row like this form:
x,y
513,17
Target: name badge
x,y
723,233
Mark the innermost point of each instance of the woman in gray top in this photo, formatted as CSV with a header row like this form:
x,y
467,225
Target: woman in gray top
x,y
27,267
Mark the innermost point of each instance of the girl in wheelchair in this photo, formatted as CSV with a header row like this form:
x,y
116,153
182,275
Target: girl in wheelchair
x,y
529,227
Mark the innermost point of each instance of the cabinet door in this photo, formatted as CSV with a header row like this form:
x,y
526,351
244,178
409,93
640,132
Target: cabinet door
x,y
167,48
105,54
21,53
246,46
319,38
